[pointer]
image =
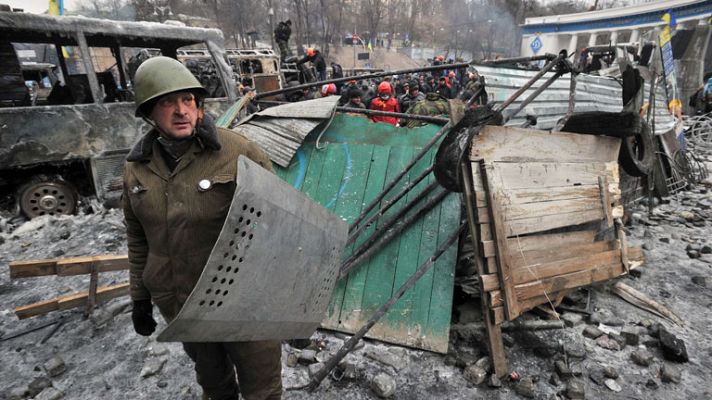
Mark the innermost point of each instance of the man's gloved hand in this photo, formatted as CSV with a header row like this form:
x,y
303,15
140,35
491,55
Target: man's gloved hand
x,y
142,317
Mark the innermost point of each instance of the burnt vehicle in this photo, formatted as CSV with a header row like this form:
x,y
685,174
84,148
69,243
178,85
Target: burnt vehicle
x,y
73,143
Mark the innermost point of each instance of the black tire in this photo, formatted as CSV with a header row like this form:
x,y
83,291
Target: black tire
x,y
616,124
637,155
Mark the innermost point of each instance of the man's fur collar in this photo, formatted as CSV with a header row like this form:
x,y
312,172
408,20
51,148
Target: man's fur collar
x,y
206,134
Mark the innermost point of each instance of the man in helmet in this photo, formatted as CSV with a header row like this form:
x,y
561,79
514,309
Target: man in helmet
x,y
179,181
385,102
328,89
314,56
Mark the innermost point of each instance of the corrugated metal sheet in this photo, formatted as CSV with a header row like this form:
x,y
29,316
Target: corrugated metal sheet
x,y
593,93
280,130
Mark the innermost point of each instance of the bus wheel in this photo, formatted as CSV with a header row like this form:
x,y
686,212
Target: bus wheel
x,y
45,195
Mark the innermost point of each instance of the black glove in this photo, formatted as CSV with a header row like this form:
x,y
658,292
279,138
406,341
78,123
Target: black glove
x,y
142,317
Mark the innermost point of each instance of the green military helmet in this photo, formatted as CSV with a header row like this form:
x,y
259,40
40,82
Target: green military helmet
x,y
162,75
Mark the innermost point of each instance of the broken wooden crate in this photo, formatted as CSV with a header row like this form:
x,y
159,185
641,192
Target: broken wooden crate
x,y
544,214
92,265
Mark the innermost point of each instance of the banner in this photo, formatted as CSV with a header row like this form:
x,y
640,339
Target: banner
x,y
668,63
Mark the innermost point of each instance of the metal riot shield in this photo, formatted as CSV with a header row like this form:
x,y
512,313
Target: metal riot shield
x,y
272,270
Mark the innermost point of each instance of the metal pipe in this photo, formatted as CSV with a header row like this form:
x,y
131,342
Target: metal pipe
x,y
426,118
547,56
360,77
401,174
527,85
351,343
370,246
355,234
534,95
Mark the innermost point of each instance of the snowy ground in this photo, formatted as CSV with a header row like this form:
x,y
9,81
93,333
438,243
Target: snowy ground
x,y
104,358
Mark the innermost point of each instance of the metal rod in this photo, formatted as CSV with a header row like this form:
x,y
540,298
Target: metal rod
x,y
547,56
30,330
360,77
426,118
534,95
355,234
351,343
533,80
401,174
375,242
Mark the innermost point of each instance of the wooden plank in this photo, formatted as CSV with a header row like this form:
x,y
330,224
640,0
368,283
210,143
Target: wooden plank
x,y
489,181
605,199
568,281
348,207
498,143
39,308
69,301
354,292
536,195
553,174
515,212
32,268
489,282
556,252
544,241
103,294
545,223
439,317
562,267
495,344
82,265
497,315
495,298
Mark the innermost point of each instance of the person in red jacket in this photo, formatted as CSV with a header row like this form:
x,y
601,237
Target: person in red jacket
x,y
385,102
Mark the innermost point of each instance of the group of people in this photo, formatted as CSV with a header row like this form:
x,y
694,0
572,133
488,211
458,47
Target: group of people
x,y
420,94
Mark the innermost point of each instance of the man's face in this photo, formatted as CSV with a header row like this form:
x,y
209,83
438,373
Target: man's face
x,y
176,114
356,100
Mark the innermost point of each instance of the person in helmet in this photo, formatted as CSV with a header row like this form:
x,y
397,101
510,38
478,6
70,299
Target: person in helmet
x,y
314,56
178,185
385,102
328,90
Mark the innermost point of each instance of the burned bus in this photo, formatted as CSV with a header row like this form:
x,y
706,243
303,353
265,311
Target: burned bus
x,y
72,143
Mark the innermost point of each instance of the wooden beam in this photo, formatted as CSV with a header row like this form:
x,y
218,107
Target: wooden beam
x,y
568,281
489,177
521,259
549,222
548,175
499,143
605,199
495,344
563,267
102,294
489,282
32,268
67,266
83,265
70,301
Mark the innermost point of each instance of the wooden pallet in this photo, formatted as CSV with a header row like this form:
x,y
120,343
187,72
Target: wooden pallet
x,y
539,205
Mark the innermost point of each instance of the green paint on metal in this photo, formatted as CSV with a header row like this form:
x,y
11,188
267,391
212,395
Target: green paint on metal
x,y
356,160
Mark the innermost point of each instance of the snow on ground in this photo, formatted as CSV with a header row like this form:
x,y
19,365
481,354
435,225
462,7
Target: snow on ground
x,y
104,358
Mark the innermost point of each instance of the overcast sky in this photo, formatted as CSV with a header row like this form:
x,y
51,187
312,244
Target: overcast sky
x,y
37,6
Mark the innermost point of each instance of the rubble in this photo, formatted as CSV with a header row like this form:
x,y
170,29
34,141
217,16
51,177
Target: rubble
x,y
642,357
525,387
55,366
674,348
575,389
670,373
383,385
475,374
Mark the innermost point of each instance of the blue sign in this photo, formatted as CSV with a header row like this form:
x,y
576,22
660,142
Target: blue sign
x,y
536,45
